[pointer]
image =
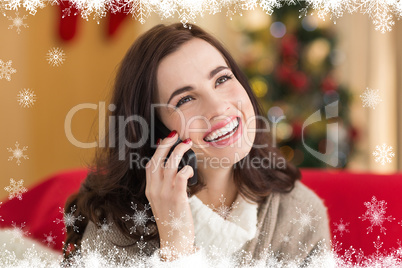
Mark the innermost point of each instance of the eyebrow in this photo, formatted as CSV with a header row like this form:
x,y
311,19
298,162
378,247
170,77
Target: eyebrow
x,y
189,88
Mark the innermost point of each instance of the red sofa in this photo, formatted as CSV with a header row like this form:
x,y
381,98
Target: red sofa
x,y
347,195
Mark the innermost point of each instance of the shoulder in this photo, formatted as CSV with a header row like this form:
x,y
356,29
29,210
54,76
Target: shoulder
x,y
302,221
289,221
301,206
302,197
302,215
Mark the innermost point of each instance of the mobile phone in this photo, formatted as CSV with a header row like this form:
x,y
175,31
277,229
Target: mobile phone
x,y
189,158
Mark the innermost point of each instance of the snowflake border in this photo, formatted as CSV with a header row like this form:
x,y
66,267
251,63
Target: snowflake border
x,y
382,13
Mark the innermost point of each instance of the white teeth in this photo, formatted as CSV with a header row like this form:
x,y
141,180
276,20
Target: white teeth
x,y
224,130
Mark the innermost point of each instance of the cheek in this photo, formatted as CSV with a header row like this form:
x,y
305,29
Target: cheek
x,y
248,110
189,126
243,97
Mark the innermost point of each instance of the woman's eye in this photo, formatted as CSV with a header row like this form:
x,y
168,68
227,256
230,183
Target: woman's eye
x,y
220,80
182,100
223,79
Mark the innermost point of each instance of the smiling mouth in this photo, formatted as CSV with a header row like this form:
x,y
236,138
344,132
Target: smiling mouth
x,y
226,135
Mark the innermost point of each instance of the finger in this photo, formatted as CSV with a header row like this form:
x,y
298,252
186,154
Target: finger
x,y
174,160
155,167
157,160
182,178
162,151
148,180
154,179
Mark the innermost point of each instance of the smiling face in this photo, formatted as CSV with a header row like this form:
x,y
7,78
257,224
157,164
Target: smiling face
x,y
202,95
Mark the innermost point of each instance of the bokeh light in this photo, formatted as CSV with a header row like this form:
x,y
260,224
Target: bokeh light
x,y
259,86
278,29
309,23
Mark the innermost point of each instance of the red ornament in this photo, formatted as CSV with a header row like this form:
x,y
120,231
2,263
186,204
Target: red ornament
x,y
289,46
283,73
297,129
69,16
328,84
299,81
353,133
115,20
68,20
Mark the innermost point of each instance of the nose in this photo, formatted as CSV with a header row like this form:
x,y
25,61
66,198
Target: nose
x,y
216,107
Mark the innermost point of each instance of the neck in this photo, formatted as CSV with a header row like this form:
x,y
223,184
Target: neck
x,y
218,182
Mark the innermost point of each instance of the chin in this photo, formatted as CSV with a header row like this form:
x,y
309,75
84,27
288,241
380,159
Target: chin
x,y
245,150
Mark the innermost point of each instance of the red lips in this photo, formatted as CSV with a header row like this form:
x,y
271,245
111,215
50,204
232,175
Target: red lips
x,y
220,125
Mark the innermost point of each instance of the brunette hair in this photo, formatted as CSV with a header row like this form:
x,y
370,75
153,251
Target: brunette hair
x,y
111,185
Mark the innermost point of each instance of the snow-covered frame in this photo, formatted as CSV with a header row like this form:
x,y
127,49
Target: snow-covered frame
x,y
383,13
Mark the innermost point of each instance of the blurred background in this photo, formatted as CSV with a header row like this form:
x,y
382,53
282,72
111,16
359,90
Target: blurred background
x,y
296,66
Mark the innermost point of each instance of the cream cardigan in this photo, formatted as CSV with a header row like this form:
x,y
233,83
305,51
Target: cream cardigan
x,y
286,227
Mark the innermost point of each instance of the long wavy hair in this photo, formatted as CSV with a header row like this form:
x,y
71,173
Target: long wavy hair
x,y
111,184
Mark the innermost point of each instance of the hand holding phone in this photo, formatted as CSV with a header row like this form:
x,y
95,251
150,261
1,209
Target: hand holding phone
x,y
189,157
167,192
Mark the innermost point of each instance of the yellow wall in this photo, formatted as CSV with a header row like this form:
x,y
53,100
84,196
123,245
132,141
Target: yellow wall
x,y
86,76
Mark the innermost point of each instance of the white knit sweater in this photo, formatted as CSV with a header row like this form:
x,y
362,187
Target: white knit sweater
x,y
276,225
213,232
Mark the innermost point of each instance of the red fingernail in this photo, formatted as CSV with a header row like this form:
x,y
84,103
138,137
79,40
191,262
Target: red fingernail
x,y
172,134
187,141
158,141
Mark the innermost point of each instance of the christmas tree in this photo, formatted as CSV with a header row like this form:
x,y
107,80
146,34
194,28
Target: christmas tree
x,y
291,61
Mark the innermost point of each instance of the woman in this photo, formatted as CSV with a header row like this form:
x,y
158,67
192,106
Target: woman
x,y
150,211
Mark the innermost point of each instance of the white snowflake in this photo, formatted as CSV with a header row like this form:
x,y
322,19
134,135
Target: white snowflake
x,y
383,154
18,22
305,219
49,239
380,254
186,17
249,5
18,153
69,219
26,98
15,189
378,244
336,246
105,226
378,11
142,9
18,232
224,211
383,22
139,218
370,98
303,248
97,8
286,238
6,70
56,56
270,6
341,227
176,223
31,6
375,213
141,244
